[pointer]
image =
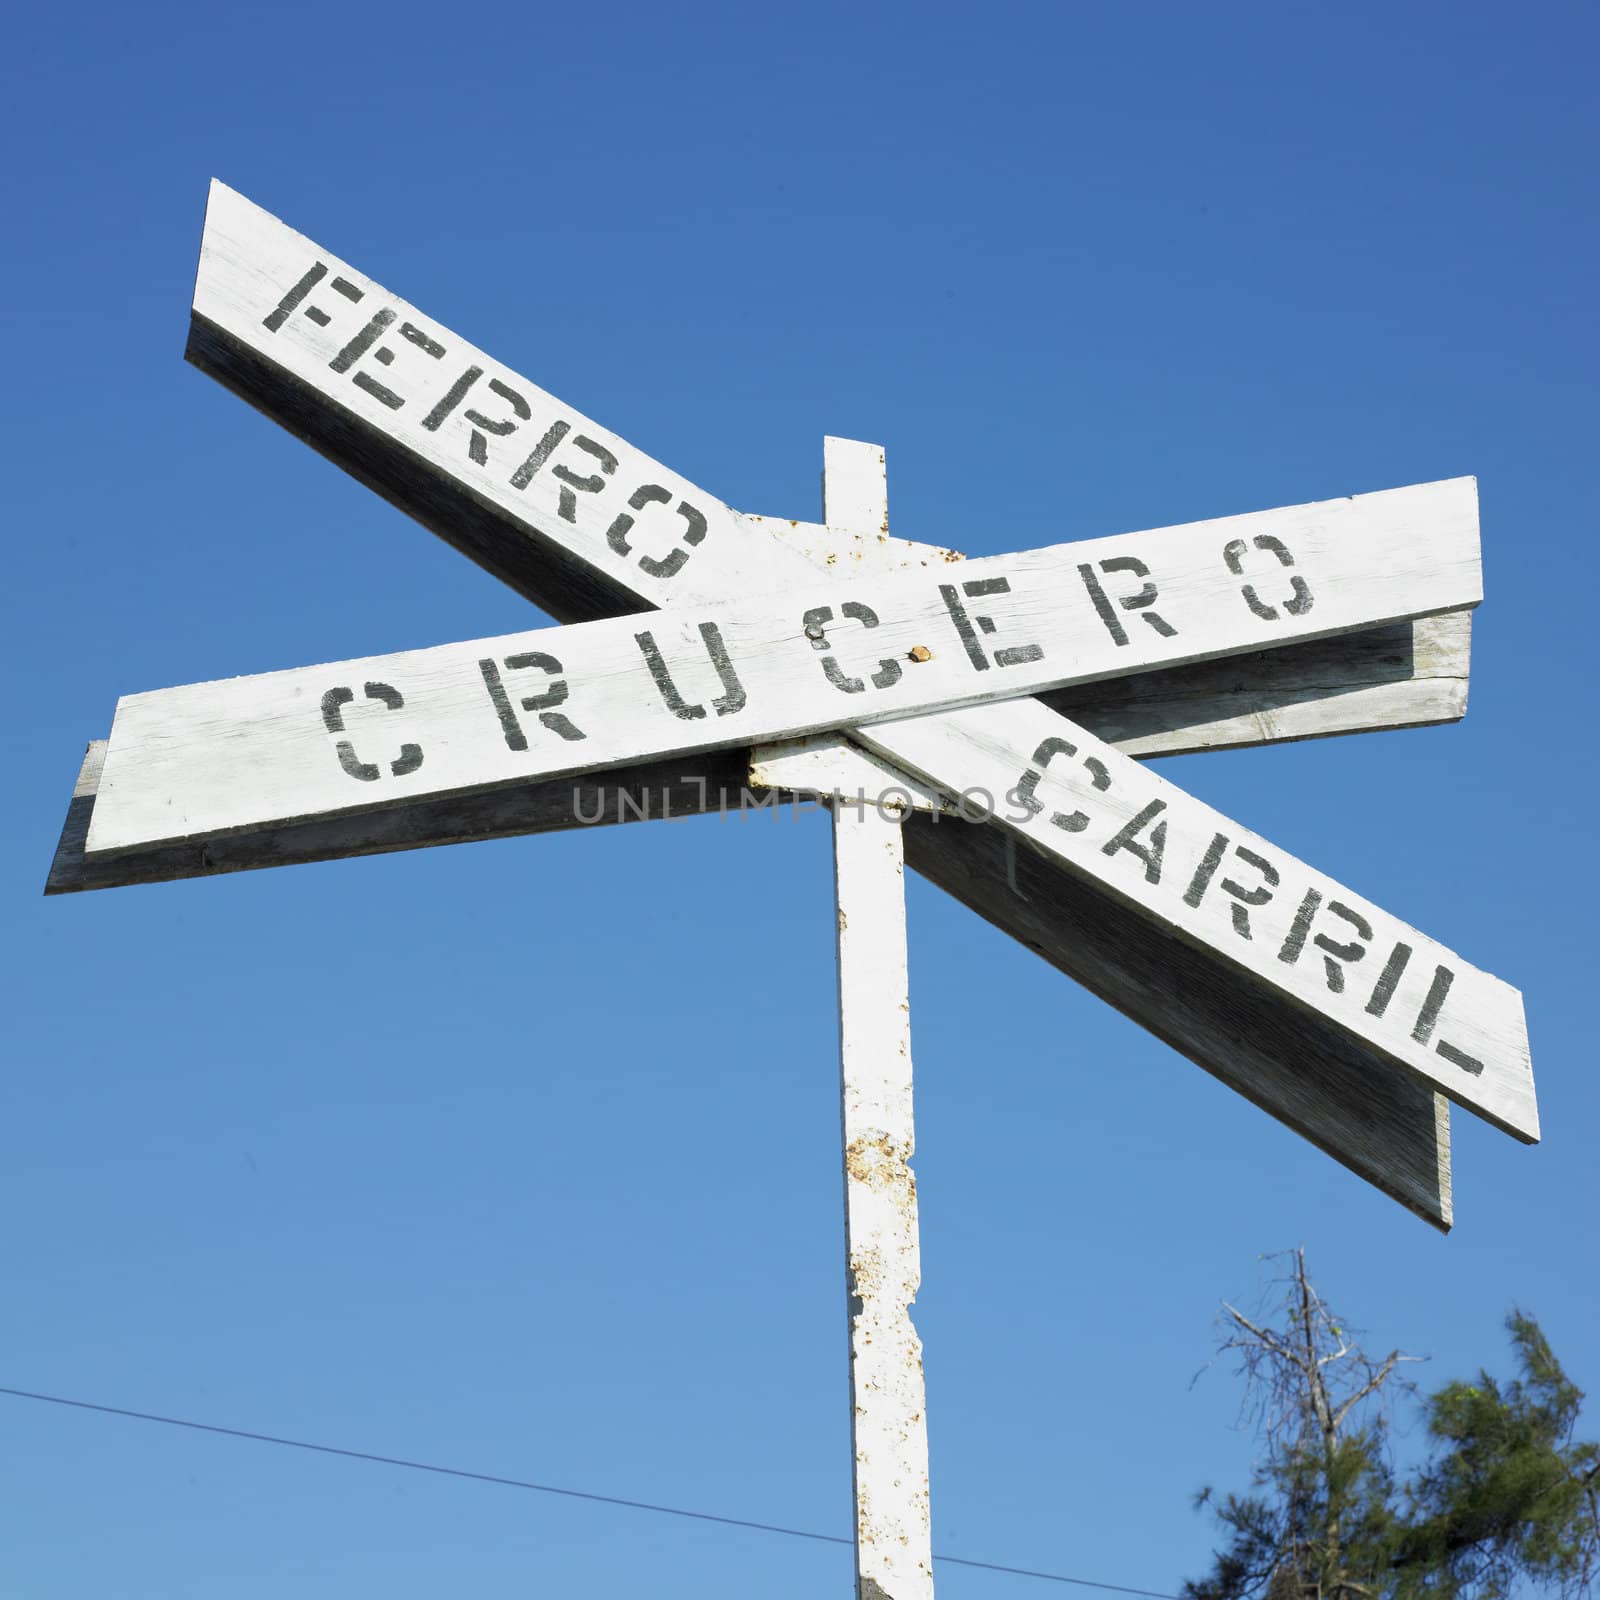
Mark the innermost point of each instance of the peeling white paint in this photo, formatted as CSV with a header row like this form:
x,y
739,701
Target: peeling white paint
x,y
888,1422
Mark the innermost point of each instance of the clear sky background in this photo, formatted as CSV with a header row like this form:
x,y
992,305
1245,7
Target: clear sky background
x,y
522,1157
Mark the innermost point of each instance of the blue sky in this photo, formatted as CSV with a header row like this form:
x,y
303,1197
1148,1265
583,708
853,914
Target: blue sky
x,y
522,1157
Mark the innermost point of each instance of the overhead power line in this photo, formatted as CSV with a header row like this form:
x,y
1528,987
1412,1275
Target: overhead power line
x,y
550,1488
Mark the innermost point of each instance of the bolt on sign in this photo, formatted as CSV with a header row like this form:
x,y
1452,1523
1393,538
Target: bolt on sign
x,y
1005,701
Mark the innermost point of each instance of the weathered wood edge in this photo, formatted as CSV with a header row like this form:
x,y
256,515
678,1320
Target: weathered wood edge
x,y
1140,726
239,753
888,1396
1406,675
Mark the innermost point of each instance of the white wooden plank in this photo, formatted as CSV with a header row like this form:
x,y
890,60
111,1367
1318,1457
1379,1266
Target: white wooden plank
x,y
281,747
630,794
1274,921
889,1431
844,549
670,791
855,487
827,767
545,497
888,1420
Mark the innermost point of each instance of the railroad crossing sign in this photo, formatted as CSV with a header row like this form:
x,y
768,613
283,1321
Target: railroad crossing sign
x,y
708,653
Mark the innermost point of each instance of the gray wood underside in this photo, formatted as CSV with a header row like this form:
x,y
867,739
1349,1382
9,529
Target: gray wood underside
x,y
1382,1125
1408,674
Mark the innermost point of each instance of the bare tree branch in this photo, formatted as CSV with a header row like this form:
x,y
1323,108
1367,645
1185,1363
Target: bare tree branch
x,y
1371,1386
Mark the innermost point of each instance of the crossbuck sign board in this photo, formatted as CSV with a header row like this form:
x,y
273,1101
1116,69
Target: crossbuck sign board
x,y
706,653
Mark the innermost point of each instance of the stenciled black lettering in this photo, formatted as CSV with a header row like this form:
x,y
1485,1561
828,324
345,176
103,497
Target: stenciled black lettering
x,y
572,484
1022,793
970,624
976,654
1300,928
1433,1004
1206,871
693,533
384,356
730,701
425,342
544,703
333,720
646,494
1152,852
1459,1058
1301,598
1144,599
1243,897
1102,604
1428,1019
1142,602
510,727
814,623
552,695
1388,980
333,704
454,395
280,314
654,494
553,435
1336,957
362,342
477,445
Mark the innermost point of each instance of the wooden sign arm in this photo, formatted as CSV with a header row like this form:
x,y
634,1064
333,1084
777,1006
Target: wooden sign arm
x,y
212,758
1400,675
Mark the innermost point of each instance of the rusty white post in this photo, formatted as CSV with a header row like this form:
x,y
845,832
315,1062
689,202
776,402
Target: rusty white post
x,y
889,1433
